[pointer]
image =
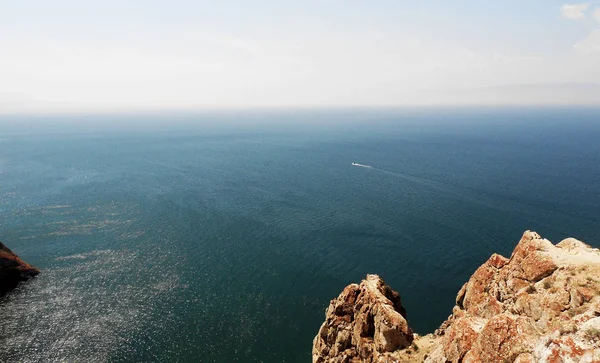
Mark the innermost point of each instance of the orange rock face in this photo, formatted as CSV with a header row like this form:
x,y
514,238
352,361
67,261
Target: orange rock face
x,y
13,270
524,309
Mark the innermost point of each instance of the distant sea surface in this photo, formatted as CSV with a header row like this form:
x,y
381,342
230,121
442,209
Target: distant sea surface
x,y
221,237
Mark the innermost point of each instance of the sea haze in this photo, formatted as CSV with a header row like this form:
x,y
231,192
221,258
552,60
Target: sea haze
x,y
223,236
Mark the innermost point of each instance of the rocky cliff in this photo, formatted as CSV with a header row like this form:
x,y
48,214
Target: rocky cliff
x,y
13,270
365,323
540,305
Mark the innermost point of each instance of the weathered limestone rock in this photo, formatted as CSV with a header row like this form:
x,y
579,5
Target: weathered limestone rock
x,y
13,270
541,305
364,324
529,308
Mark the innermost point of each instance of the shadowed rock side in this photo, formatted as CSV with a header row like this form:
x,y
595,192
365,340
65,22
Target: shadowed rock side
x,y
13,270
541,305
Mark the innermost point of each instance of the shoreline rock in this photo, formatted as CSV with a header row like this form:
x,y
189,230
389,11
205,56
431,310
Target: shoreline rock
x,y
13,270
540,305
363,324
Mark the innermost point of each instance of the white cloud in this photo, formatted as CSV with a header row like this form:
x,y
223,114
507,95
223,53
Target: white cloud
x,y
574,11
596,14
589,45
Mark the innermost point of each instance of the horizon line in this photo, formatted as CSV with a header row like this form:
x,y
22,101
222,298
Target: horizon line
x,y
298,108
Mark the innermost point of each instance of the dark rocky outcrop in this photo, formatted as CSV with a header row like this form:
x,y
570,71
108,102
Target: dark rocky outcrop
x,y
13,270
540,305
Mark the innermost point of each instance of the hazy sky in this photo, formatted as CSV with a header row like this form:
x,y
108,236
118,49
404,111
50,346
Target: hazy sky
x,y
77,55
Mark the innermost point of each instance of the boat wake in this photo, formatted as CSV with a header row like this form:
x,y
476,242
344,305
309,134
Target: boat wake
x,y
362,165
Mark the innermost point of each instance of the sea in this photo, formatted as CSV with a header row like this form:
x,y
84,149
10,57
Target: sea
x,y
222,236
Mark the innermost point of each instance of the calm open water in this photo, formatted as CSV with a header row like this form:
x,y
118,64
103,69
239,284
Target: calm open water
x,y
222,237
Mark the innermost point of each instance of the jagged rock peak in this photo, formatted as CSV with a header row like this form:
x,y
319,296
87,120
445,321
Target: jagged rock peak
x,y
13,270
364,324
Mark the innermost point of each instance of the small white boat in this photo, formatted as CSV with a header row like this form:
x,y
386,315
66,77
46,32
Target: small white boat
x,y
361,165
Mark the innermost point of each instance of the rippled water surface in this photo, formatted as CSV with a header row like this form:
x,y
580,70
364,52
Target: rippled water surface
x,y
222,237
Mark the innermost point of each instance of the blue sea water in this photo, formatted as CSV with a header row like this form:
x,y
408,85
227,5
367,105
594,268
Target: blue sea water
x,y
223,236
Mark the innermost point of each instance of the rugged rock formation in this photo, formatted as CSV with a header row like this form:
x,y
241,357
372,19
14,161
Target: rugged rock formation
x,y
541,305
363,324
13,270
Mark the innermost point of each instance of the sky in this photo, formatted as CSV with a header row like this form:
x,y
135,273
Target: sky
x,y
124,55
